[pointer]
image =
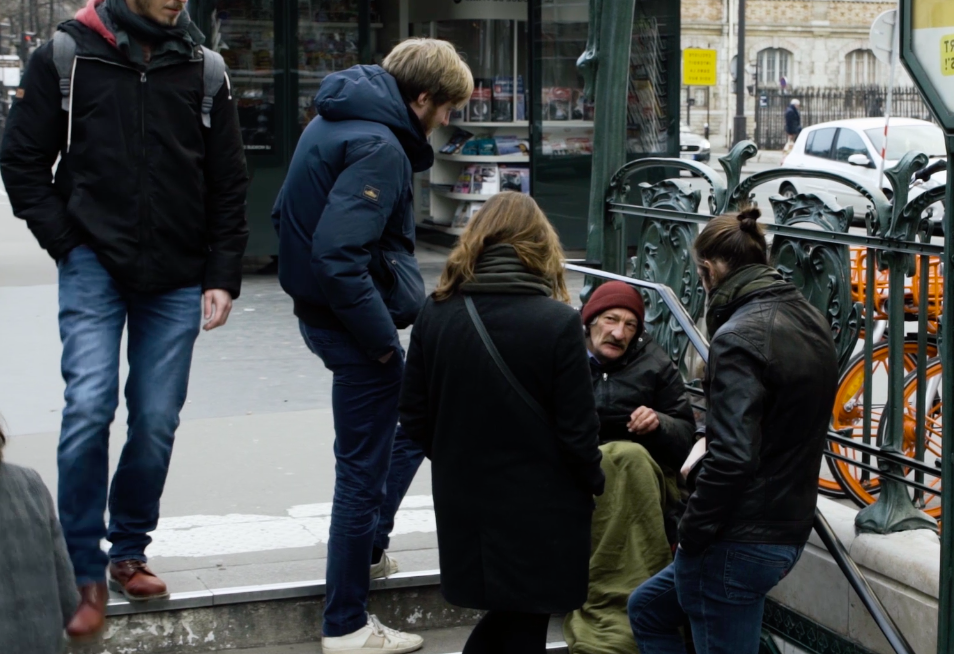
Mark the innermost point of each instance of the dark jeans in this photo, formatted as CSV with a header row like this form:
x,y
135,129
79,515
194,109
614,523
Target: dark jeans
x,y
375,464
722,590
162,331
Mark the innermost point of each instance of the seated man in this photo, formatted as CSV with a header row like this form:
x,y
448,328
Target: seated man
x,y
646,431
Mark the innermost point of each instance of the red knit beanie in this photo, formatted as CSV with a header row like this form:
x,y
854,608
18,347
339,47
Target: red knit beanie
x,y
615,295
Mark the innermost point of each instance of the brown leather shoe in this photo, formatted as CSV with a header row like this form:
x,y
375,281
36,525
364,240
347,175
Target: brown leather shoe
x,y
136,581
90,616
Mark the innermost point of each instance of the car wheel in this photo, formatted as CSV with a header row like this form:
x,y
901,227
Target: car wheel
x,y
788,191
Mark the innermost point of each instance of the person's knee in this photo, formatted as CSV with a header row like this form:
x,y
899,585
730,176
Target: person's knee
x,y
638,600
90,408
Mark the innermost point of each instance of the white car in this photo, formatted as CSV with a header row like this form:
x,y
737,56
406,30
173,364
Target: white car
x,y
853,149
692,146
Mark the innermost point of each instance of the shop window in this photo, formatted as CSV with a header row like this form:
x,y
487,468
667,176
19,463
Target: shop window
x,y
243,31
328,42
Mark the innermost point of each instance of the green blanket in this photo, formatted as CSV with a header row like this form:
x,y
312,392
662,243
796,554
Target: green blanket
x,y
629,546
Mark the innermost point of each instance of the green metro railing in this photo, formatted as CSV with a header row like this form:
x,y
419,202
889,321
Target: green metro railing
x,y
882,450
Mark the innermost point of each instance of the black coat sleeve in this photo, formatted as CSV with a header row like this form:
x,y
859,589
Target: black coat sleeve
x,y
733,439
34,136
574,407
669,445
413,405
227,185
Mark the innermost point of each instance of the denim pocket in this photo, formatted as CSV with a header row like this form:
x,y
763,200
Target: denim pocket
x,y
751,571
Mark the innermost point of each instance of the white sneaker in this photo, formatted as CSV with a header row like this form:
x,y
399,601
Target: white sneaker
x,y
384,568
373,638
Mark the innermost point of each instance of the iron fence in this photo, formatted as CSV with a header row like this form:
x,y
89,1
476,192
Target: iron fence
x,y
821,105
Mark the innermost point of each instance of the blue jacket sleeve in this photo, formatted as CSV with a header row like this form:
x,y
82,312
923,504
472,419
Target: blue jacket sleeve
x,y
352,223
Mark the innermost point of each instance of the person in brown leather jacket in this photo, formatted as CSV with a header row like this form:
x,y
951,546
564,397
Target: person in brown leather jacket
x,y
770,383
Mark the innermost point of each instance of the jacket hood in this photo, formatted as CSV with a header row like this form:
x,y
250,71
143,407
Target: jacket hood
x,y
370,93
89,17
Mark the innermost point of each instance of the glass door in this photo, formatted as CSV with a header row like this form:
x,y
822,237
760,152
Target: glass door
x,y
330,37
244,33
250,36
563,120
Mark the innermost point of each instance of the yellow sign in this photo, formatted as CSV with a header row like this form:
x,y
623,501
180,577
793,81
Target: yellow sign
x,y
698,67
932,44
947,55
930,14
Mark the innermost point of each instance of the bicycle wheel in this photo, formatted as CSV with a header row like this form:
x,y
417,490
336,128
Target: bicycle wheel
x,y
848,413
930,503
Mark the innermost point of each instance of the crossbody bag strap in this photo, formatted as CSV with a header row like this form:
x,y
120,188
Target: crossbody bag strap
x,y
495,355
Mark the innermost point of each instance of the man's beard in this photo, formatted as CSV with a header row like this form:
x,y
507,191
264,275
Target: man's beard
x,y
428,120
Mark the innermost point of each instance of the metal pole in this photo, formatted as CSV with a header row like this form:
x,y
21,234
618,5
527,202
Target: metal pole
x,y
945,626
689,106
611,32
738,131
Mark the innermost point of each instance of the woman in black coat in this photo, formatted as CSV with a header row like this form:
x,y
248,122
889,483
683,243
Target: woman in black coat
x,y
513,493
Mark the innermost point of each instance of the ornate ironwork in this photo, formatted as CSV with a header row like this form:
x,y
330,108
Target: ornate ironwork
x,y
806,634
893,510
665,256
819,270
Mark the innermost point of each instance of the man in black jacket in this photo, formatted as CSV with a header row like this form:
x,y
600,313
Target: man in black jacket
x,y
146,221
793,124
345,225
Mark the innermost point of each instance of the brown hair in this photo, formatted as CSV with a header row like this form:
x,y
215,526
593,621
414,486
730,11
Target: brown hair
x,y
734,240
430,66
514,219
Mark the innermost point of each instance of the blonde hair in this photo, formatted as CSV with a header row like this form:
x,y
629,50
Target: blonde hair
x,y
430,66
514,219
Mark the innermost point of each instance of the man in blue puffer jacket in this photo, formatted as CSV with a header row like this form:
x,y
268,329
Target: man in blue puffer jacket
x,y
346,256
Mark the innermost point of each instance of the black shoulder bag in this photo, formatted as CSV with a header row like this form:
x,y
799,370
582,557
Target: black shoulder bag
x,y
495,355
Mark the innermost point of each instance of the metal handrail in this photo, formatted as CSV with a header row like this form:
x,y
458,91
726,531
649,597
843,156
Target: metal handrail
x,y
831,541
860,585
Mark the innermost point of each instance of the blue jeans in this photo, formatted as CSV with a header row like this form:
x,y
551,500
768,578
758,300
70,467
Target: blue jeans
x,y
722,591
375,464
162,331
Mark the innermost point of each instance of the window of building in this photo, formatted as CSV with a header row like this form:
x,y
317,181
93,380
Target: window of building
x,y
774,64
862,68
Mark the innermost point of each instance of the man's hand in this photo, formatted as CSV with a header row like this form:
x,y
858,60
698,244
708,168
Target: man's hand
x,y
643,421
216,305
387,357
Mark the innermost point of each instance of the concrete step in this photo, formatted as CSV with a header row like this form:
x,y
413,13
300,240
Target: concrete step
x,y
436,641
282,619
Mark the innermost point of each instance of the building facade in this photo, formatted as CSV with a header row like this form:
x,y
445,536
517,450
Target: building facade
x,y
790,44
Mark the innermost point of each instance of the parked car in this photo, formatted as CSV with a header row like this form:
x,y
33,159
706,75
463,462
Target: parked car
x,y
853,149
692,146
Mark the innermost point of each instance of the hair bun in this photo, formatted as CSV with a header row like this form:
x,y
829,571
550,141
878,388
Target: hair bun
x,y
748,221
